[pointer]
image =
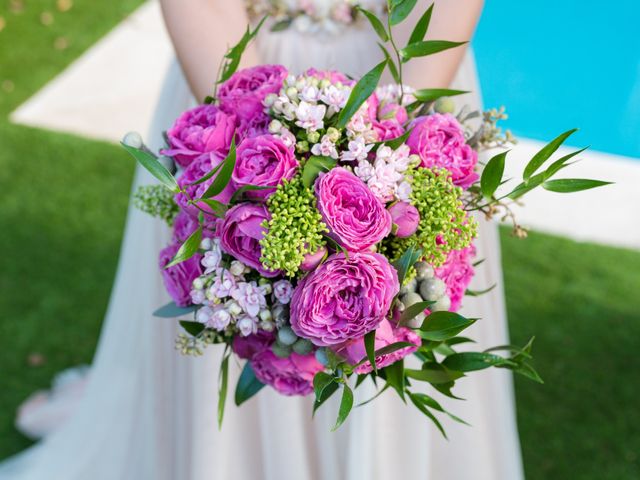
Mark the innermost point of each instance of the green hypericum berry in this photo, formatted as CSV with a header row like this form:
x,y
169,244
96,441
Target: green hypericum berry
x,y
156,200
295,228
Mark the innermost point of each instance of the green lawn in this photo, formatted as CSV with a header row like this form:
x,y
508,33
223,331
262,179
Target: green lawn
x,y
63,204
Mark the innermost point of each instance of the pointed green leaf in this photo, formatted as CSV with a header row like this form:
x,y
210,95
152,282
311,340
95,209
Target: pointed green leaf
x,y
401,10
427,47
171,310
391,64
430,402
434,374
223,383
320,381
420,406
413,311
192,328
380,392
313,166
443,325
370,347
218,208
207,176
420,30
375,23
326,394
248,385
472,361
234,54
154,167
561,163
492,174
406,261
569,185
237,195
361,91
346,404
224,175
426,95
386,350
394,374
395,143
187,249
281,25
545,152
477,293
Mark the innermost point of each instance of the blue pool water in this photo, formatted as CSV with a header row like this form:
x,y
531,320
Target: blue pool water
x,y
558,64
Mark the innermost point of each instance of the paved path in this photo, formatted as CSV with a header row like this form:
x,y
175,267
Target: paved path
x,y
113,88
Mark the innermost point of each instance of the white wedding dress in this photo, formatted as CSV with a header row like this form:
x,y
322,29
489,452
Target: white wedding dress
x,y
148,413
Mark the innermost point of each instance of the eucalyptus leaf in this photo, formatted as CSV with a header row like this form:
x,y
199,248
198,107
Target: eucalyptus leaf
x,y
401,10
224,175
427,47
154,167
314,166
187,249
569,185
192,328
444,325
375,23
545,152
248,385
346,404
492,174
391,64
420,30
361,91
171,310
426,95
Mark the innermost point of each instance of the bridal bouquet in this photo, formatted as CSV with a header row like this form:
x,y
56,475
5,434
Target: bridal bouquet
x,y
323,227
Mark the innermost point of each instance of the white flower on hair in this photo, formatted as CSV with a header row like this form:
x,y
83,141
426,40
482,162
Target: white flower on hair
x,y
310,117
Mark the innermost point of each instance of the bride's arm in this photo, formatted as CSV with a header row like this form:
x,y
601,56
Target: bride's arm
x,y
201,32
453,20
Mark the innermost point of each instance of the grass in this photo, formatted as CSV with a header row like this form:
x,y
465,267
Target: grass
x,y
63,204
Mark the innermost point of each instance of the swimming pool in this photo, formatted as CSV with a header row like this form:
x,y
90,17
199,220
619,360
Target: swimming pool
x,y
558,64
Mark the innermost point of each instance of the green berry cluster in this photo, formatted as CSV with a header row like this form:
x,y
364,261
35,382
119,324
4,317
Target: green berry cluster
x,y
444,224
157,201
295,228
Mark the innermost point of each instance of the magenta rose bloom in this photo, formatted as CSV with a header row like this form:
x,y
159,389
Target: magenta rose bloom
x,y
386,334
178,279
263,161
257,125
251,345
457,273
344,298
387,118
241,232
203,129
245,91
356,218
439,141
289,376
405,218
198,169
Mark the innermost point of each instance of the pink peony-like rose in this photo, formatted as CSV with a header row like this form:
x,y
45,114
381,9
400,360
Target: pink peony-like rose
x,y
312,260
387,118
178,279
457,272
251,345
184,225
289,376
256,125
344,298
198,169
203,129
356,218
244,92
405,219
263,161
439,141
241,232
334,76
386,334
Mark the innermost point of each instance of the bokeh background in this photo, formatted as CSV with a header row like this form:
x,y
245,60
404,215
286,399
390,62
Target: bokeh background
x,y
555,64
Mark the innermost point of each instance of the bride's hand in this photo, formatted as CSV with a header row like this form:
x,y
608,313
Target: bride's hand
x,y
201,32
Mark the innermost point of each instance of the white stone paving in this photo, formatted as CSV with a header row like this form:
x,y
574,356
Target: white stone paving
x,y
113,88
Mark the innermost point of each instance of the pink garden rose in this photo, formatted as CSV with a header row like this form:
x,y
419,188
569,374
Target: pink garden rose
x,y
344,298
387,118
244,92
256,125
263,161
289,376
198,169
356,218
178,279
241,232
439,141
457,272
334,76
203,129
405,219
386,334
251,345
184,225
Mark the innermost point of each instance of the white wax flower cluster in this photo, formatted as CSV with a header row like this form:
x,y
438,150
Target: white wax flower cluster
x,y
386,176
229,301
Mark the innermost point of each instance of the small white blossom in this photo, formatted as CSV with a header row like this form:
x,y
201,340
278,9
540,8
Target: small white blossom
x,y
283,291
247,325
403,191
223,283
236,268
220,319
250,297
357,150
326,148
365,170
310,117
212,258
197,296
309,93
233,308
